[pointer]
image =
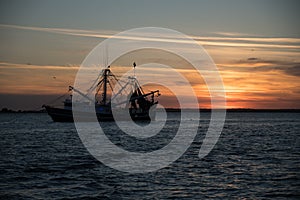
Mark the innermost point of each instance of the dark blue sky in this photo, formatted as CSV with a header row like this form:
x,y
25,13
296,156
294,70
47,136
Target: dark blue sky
x,y
262,17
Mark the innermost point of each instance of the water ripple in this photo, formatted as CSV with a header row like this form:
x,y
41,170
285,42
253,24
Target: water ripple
x,y
257,157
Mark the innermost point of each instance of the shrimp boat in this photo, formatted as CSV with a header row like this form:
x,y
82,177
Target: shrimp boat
x,y
139,105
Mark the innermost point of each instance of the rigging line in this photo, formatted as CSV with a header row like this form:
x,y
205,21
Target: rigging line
x,y
98,89
120,91
110,86
114,76
113,83
137,87
122,82
54,100
140,87
99,83
59,97
94,83
118,82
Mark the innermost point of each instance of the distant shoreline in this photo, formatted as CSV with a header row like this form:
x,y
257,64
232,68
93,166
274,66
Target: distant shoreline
x,y
5,110
235,110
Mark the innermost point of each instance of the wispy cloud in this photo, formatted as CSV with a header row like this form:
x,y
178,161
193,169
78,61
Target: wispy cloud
x,y
74,32
226,39
5,65
254,64
233,34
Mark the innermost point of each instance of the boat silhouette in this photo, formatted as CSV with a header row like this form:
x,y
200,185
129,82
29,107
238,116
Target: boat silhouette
x,y
139,105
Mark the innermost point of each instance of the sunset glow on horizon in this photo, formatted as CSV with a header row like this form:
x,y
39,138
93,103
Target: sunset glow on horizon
x,y
260,70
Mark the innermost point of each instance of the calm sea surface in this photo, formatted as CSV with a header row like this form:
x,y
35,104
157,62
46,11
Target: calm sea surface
x,y
256,157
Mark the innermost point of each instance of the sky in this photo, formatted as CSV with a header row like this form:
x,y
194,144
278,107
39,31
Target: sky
x,y
255,45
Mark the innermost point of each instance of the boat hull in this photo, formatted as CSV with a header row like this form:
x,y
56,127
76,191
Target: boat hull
x,y
66,115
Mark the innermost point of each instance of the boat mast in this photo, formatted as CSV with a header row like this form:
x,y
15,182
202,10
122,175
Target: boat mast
x,y
106,71
134,78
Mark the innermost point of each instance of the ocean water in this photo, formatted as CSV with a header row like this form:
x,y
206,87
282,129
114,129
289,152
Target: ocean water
x,y
256,157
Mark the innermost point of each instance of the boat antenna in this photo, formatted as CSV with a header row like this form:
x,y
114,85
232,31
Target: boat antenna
x,y
106,57
134,65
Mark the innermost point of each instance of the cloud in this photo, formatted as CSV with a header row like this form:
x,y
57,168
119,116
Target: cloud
x,y
252,59
294,70
5,65
74,32
235,34
254,64
235,39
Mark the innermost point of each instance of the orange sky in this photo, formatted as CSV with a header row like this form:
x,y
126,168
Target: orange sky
x,y
254,77
257,72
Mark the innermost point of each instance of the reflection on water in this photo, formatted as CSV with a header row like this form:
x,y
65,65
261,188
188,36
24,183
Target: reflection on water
x,y
257,156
